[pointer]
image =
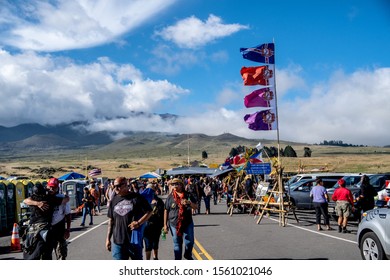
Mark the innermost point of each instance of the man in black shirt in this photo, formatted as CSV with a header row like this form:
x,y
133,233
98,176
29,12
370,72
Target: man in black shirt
x,y
127,211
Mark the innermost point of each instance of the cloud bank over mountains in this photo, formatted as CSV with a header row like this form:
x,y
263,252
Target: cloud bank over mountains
x,y
39,85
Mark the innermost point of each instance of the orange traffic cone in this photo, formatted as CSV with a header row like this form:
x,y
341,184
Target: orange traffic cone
x,y
15,241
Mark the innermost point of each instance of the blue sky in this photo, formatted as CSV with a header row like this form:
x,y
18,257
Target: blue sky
x,y
64,61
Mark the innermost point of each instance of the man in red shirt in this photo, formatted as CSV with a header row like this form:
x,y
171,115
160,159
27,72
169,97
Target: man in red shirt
x,y
344,205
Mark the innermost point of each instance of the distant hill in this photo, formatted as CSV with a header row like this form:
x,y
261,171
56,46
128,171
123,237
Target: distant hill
x,y
36,139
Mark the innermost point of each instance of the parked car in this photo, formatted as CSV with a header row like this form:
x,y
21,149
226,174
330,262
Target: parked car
x,y
299,192
373,235
299,177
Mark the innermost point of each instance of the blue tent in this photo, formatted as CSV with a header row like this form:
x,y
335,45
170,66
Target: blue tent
x,y
150,175
70,176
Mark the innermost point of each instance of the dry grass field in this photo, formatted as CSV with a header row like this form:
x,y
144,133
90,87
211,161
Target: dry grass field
x,y
334,159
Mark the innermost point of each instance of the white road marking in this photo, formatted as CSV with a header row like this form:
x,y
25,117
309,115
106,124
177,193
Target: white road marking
x,y
89,230
317,232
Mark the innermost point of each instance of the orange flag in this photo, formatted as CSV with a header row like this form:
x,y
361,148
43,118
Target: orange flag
x,y
260,75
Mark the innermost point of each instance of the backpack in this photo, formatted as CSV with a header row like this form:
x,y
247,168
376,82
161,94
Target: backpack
x,y
207,190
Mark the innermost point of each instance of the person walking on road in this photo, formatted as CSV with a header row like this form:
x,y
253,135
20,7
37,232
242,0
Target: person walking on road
x,y
344,205
88,206
127,211
320,200
153,228
60,224
178,218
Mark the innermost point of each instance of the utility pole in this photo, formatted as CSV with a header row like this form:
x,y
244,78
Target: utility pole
x,y
188,149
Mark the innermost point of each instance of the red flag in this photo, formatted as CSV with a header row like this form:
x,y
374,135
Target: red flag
x,y
238,160
256,75
260,98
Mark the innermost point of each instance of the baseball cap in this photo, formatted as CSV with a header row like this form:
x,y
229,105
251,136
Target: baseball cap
x,y
53,182
341,182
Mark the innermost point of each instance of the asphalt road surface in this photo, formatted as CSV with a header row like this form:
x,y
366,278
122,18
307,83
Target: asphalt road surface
x,y
223,237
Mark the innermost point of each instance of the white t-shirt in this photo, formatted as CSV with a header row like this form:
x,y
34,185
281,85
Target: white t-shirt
x,y
60,211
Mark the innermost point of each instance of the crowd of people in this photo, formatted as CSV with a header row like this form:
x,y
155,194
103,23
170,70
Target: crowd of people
x,y
137,216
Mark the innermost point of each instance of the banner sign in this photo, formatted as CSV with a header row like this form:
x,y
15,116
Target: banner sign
x,y
259,168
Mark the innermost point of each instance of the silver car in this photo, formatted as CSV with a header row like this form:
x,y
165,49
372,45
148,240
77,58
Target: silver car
x,y
373,235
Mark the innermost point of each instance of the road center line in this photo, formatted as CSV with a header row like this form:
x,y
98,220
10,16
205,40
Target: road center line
x,y
202,249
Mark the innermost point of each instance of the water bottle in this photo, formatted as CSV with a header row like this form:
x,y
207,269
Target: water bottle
x,y
163,235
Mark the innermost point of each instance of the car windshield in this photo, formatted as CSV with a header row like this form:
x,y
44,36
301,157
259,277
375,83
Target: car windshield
x,y
301,183
349,181
377,180
292,180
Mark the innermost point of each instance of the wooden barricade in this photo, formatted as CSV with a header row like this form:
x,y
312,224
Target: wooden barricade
x,y
269,201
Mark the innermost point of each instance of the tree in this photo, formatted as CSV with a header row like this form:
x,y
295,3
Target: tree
x,y
233,152
307,152
289,152
204,155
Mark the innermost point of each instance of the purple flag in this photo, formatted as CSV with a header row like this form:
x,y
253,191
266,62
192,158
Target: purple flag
x,y
260,98
262,53
262,120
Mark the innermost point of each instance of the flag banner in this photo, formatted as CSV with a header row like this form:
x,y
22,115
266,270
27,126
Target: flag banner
x,y
256,158
239,159
262,120
94,172
260,98
259,75
262,53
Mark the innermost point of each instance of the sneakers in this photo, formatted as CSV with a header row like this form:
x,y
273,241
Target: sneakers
x,y
340,228
81,225
90,224
346,231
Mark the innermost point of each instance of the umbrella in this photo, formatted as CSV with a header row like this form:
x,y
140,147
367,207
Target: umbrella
x,y
150,175
70,176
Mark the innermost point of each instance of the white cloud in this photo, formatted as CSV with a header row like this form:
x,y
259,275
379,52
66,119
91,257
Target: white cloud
x,y
289,79
193,33
70,24
52,90
347,107
48,90
352,108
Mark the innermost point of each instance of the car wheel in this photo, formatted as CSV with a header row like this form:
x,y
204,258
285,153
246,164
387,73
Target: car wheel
x,y
371,248
334,217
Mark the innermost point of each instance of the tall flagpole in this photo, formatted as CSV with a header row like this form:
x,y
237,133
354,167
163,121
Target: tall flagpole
x,y
276,104
279,165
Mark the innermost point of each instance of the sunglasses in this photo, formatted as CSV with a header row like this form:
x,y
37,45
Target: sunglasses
x,y
118,186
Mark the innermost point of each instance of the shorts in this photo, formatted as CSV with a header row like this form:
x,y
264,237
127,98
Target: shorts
x,y
343,208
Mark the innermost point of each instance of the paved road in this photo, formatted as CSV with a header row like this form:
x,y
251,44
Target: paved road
x,y
223,237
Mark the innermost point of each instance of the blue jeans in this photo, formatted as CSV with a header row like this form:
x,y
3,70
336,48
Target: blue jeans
x,y
188,237
87,210
126,251
207,202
